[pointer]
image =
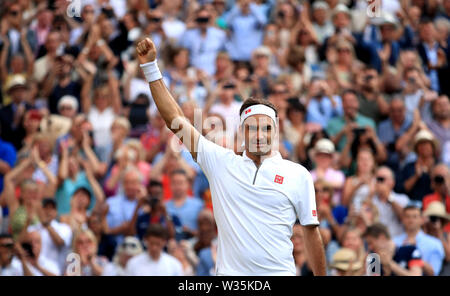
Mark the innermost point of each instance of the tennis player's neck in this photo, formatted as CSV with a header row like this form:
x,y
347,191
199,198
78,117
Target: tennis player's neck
x,y
258,159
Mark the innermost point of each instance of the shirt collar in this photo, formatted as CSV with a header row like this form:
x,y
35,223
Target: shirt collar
x,y
275,157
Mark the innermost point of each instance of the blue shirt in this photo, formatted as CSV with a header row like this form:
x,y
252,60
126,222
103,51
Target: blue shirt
x,y
430,247
65,192
247,31
188,212
8,155
386,132
203,50
321,111
121,210
206,263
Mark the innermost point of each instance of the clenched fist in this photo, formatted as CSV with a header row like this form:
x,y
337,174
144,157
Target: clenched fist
x,y
146,50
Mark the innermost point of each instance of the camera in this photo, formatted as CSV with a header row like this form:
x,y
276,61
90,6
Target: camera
x,y
28,248
281,14
439,180
359,131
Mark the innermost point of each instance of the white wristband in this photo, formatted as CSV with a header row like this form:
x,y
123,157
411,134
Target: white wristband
x,y
151,71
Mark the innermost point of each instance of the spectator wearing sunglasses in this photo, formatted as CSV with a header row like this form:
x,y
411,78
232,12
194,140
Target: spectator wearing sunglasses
x,y
436,221
440,183
130,247
12,262
204,42
389,203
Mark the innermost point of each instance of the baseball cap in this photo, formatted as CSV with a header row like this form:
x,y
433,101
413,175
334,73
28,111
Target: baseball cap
x,y
341,8
130,246
324,146
68,100
320,5
388,19
262,50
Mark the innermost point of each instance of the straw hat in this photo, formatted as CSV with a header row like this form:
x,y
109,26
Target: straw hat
x,y
346,259
437,209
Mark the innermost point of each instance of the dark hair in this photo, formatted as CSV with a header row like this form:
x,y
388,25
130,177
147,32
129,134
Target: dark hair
x,y
255,101
156,230
376,230
295,56
178,172
5,235
153,183
348,91
411,207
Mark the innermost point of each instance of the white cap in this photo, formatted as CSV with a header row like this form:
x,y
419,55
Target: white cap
x,y
68,100
320,5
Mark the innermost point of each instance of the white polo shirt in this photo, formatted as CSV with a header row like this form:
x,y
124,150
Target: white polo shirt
x,y
144,265
255,209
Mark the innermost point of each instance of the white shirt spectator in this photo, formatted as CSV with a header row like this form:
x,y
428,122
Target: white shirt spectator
x,y
173,28
46,264
13,269
144,265
49,249
387,215
101,124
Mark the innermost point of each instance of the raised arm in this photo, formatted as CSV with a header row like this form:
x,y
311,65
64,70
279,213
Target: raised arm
x,y
166,104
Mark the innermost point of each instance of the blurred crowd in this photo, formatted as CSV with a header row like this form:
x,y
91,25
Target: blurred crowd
x,y
92,181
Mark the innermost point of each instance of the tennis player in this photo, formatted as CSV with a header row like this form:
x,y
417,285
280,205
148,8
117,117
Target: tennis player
x,y
257,197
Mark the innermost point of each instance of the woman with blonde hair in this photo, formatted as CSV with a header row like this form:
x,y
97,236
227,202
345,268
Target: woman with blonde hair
x,y
352,239
85,245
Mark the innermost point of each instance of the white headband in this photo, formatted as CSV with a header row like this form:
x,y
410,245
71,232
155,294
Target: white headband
x,y
259,109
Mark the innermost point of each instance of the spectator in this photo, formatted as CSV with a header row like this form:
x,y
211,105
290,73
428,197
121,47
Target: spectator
x,y
321,104
299,252
246,23
357,187
38,263
11,116
130,248
439,125
55,236
440,184
186,208
121,206
389,203
204,42
338,127
436,221
12,262
352,239
430,247
85,245
346,263
371,102
390,131
321,20
154,262
7,159
415,176
323,156
400,261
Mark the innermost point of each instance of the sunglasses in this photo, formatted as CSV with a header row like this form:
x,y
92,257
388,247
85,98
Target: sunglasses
x,y
65,108
129,246
14,12
381,179
434,219
343,50
279,92
7,245
202,20
439,179
321,190
155,19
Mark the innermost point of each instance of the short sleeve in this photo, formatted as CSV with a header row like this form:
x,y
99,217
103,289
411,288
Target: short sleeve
x,y
211,156
306,204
